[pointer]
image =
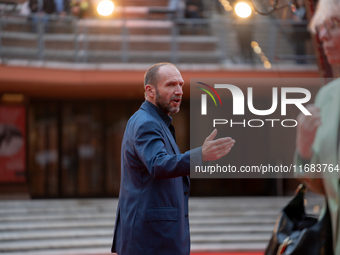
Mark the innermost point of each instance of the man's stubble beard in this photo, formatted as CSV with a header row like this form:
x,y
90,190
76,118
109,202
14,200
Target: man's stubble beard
x,y
165,106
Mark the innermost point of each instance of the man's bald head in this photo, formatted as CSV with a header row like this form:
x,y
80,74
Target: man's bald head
x,y
152,76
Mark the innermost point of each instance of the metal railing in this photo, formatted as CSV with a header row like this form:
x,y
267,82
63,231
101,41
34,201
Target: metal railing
x,y
68,39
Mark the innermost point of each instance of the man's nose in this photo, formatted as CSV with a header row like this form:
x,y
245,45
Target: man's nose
x,y
179,90
324,34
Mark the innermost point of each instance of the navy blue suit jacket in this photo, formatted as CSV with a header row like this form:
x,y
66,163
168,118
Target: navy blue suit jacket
x,y
152,213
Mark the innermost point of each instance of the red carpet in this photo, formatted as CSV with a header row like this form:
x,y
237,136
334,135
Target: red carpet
x,y
208,253
219,253
229,253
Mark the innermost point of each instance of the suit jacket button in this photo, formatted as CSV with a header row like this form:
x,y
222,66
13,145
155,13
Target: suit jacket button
x,y
186,216
186,193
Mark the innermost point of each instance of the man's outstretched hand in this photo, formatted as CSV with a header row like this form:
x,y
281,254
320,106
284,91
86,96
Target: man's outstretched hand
x,y
215,149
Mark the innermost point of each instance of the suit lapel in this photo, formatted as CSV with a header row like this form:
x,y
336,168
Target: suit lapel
x,y
168,134
170,138
174,146
166,129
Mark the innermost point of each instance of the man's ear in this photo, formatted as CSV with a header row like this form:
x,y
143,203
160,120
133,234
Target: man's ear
x,y
150,91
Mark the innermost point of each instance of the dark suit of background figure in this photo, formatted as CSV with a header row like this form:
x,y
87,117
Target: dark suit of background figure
x,y
42,7
194,9
300,34
47,6
152,214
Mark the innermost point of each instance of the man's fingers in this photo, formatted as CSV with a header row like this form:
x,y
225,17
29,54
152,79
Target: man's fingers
x,y
215,149
222,147
228,147
223,153
223,141
212,135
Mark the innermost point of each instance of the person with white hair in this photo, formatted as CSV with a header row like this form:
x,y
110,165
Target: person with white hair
x,y
318,135
325,23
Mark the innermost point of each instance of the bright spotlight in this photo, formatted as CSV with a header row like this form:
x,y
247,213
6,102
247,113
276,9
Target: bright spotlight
x,y
257,49
254,44
105,8
243,10
267,64
228,8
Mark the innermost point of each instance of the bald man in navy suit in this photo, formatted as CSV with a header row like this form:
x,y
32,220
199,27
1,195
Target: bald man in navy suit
x,y
152,214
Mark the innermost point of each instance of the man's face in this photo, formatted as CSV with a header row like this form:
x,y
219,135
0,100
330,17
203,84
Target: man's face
x,y
329,34
169,89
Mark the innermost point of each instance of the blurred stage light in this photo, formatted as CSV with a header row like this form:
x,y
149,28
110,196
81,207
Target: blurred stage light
x,y
267,64
243,10
226,5
257,50
261,54
264,58
254,44
105,8
228,8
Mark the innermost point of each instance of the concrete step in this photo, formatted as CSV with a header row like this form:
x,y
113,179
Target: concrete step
x,y
102,241
82,231
40,216
30,245
40,234
83,226
110,55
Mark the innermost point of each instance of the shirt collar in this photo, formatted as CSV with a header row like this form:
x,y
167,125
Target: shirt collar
x,y
166,118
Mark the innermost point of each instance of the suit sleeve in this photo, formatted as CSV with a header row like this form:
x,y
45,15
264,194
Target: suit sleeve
x,y
150,148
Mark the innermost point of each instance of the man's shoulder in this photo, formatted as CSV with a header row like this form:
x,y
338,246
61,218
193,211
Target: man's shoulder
x,y
141,117
142,121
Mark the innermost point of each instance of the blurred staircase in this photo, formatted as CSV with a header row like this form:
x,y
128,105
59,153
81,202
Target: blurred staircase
x,y
83,226
139,32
